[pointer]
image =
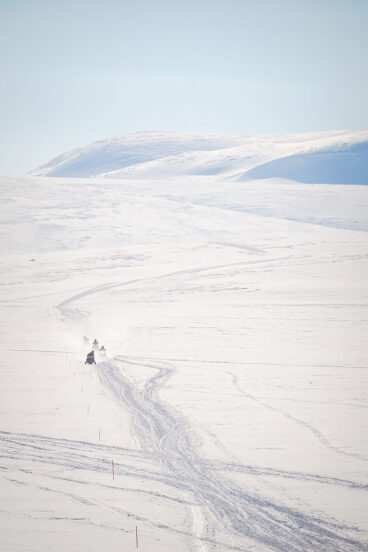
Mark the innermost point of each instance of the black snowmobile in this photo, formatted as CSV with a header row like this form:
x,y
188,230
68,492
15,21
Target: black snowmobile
x,y
90,358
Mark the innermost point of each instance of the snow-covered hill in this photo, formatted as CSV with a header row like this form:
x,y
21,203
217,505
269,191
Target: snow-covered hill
x,y
111,155
230,412
311,157
343,164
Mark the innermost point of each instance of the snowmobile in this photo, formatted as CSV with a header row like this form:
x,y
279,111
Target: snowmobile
x,y
95,345
90,358
102,351
85,340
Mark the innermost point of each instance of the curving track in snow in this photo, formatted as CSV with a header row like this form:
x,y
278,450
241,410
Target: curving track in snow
x,y
165,434
252,521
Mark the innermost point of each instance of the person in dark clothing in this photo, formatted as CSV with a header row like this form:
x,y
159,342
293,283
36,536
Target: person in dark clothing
x,y
90,358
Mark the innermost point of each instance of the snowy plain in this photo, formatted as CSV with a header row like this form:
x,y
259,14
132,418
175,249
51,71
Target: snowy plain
x,y
233,398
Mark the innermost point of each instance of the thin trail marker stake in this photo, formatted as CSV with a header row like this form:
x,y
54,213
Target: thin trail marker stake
x,y
113,469
136,536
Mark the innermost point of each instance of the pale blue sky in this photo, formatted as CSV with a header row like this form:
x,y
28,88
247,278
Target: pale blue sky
x,y
75,71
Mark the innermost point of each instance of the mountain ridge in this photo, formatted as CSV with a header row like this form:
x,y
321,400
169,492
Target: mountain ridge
x,y
157,154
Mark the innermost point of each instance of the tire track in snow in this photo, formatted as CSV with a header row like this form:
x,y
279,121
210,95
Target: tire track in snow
x,y
316,432
68,312
49,460
161,431
165,434
273,472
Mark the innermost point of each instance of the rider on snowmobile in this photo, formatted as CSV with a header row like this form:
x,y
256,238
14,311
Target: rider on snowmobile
x,y
90,358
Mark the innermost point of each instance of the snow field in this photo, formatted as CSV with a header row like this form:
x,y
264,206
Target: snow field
x,y
233,397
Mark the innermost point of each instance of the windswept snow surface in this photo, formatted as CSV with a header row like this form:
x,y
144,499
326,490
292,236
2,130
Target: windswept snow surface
x,y
233,397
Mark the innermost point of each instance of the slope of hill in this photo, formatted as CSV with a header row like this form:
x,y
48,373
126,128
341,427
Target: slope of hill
x,y
232,398
155,155
230,410
346,164
117,153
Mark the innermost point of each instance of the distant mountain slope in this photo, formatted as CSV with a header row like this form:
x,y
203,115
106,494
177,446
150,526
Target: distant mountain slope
x,y
346,164
113,154
309,157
